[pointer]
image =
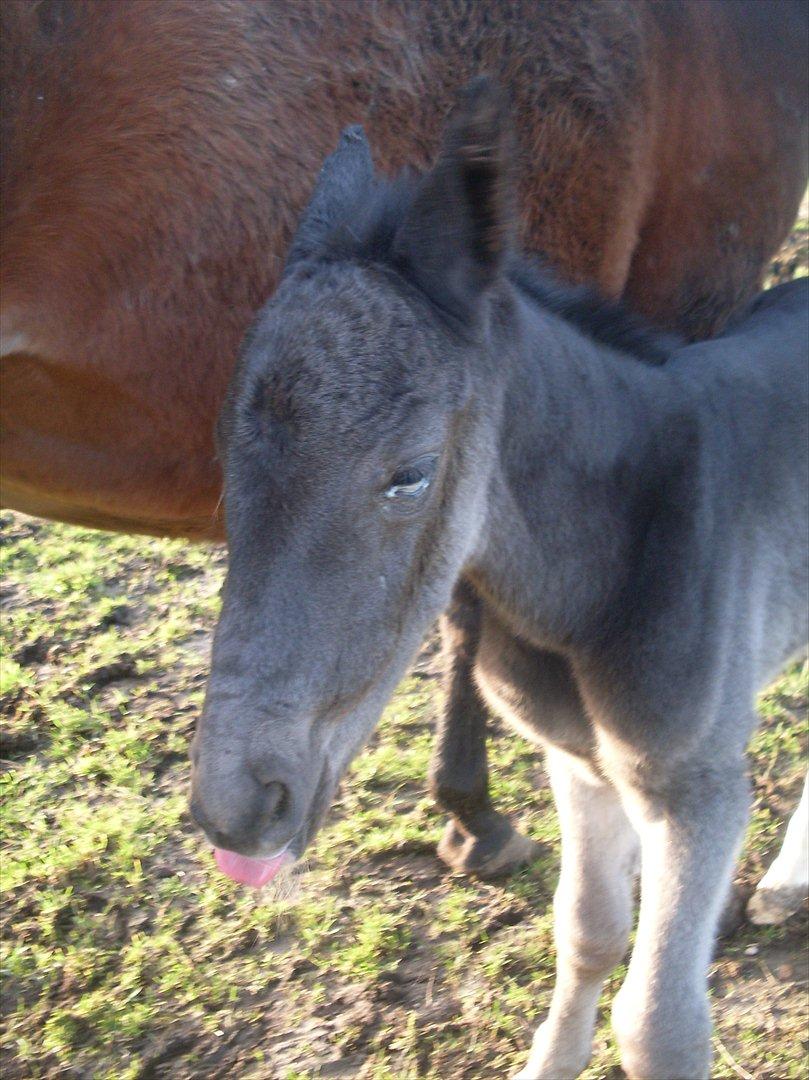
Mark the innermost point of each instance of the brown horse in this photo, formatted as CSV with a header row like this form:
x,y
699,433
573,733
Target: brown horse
x,y
156,153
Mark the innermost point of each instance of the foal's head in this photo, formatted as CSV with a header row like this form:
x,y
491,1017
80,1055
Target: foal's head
x,y
357,442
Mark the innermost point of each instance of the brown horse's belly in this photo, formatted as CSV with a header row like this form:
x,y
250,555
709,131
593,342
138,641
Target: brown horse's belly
x,y
76,509
72,447
151,182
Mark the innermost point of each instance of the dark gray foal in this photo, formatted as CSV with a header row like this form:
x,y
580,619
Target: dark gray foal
x,y
414,408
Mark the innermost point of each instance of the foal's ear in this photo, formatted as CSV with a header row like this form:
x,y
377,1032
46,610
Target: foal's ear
x,y
458,231
343,181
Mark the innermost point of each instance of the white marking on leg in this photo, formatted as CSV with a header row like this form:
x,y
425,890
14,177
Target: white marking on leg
x,y
13,338
786,884
592,914
14,343
689,840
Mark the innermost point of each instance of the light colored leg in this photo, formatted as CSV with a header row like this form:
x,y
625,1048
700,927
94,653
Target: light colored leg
x,y
690,833
786,884
592,914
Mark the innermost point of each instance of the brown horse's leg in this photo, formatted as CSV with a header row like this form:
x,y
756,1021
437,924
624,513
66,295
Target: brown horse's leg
x,y
477,840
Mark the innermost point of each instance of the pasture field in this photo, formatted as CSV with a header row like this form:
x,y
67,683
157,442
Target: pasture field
x,y
125,954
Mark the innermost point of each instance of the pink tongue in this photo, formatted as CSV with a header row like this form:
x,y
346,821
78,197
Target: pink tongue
x,y
255,872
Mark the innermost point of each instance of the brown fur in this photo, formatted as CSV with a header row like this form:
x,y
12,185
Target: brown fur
x,y
155,153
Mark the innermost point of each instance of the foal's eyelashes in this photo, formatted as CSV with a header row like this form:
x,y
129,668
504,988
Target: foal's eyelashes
x,y
412,481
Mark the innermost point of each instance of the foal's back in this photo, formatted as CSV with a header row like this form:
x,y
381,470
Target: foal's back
x,y
755,374
753,390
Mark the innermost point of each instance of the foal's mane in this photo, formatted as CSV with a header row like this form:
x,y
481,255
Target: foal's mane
x,y
369,236
606,321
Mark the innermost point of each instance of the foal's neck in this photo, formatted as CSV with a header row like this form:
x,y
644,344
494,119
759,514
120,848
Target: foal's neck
x,y
588,437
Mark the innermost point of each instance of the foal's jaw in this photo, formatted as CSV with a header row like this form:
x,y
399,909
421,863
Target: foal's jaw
x,y
250,845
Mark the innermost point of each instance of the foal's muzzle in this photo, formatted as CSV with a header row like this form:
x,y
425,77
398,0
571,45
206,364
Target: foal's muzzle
x,y
251,814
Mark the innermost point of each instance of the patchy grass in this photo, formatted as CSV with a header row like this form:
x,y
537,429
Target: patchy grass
x,y
125,955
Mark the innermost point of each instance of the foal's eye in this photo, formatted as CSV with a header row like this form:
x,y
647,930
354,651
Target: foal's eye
x,y
407,482
412,480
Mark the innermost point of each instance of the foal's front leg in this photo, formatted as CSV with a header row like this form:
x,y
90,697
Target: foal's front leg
x,y
690,831
592,914
477,839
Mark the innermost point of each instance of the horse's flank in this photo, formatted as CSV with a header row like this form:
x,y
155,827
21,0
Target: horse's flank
x,y
155,157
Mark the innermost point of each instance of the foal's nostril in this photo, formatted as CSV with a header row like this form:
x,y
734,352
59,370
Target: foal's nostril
x,y
198,816
277,800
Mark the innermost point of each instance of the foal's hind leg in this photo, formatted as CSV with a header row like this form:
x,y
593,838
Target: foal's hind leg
x,y
690,830
592,914
477,840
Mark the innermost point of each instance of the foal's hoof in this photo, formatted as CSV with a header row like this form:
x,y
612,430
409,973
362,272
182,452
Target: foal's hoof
x,y
768,907
498,852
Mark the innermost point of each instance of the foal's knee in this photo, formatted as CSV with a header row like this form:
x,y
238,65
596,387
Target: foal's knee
x,y
591,941
594,951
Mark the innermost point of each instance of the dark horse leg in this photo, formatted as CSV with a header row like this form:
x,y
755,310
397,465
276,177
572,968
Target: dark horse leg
x,y
477,840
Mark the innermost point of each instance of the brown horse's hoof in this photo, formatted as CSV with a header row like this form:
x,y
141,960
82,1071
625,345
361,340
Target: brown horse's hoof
x,y
496,853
